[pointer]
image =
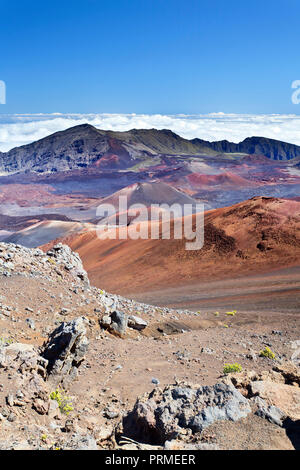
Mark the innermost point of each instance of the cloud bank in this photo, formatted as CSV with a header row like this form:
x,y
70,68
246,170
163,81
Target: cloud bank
x,y
16,130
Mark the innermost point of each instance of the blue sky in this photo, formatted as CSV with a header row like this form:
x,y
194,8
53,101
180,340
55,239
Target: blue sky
x,y
149,56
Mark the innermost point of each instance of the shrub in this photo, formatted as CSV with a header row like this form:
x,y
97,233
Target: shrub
x,y
64,402
230,368
267,352
231,313
5,341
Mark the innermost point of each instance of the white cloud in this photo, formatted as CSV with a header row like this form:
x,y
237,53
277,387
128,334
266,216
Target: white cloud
x,y
22,129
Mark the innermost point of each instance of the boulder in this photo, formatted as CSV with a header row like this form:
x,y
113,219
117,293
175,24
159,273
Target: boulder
x,y
165,414
105,321
285,397
137,323
41,406
289,371
66,348
269,412
116,322
272,414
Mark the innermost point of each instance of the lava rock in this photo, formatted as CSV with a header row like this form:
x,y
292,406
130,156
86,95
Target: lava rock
x,y
66,348
163,415
136,323
119,322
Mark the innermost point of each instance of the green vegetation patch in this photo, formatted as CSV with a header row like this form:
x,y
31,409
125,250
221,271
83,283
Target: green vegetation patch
x,y
64,402
267,352
231,368
231,313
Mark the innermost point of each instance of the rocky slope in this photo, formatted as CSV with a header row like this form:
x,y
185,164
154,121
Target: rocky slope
x,y
84,146
84,369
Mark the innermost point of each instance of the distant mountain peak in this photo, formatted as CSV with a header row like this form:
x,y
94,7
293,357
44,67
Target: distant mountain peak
x,y
84,145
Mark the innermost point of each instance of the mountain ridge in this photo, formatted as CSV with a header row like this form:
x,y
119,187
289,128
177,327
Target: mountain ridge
x,y
85,146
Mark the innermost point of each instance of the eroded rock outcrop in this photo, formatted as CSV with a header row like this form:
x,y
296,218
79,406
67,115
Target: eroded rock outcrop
x,y
282,396
66,349
116,322
58,263
277,388
183,409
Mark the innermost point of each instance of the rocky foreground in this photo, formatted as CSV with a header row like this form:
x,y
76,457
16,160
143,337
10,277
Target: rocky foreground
x,y
84,369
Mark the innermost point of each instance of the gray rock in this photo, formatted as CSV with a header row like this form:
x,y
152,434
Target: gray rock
x,y
2,358
163,415
277,332
105,321
271,413
53,409
10,399
30,323
252,356
66,348
81,442
207,350
295,344
137,323
111,413
19,348
295,358
119,321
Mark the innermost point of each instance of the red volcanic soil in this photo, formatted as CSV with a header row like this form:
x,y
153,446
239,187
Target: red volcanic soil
x,y
115,157
29,195
255,236
225,179
26,195
108,160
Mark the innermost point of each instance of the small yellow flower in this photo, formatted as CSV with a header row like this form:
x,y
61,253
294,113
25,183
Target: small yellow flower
x,y
231,313
267,352
230,368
